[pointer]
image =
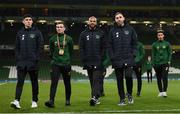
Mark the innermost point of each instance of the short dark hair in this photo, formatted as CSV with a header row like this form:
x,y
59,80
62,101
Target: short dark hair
x,y
160,31
61,22
27,15
117,13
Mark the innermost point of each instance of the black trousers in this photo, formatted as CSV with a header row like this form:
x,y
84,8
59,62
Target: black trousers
x,y
21,73
162,76
138,71
55,75
149,75
120,73
95,78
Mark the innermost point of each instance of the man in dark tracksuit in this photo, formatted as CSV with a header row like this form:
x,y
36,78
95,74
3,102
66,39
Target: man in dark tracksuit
x,y
61,47
122,51
92,47
28,45
138,67
161,58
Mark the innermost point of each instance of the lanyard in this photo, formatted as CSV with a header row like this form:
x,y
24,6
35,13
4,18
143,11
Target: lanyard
x,y
64,41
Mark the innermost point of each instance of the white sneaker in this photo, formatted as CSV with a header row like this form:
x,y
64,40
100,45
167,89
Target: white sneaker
x,y
130,99
15,104
34,104
160,94
164,94
122,102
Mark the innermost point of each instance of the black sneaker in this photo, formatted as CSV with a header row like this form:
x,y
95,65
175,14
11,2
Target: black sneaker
x,y
130,99
49,104
67,103
122,102
94,101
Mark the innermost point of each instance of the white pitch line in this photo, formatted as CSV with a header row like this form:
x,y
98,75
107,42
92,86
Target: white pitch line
x,y
122,111
2,84
136,111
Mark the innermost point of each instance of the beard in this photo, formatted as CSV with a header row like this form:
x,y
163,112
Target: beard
x,y
120,23
92,26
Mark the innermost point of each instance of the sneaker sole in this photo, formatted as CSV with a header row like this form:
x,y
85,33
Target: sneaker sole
x,y
34,107
48,105
122,104
14,106
132,102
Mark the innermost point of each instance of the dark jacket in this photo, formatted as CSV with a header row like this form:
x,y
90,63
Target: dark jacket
x,y
92,45
122,46
28,46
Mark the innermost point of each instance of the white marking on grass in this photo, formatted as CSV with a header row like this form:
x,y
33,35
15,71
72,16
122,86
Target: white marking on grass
x,y
122,111
2,83
12,72
135,111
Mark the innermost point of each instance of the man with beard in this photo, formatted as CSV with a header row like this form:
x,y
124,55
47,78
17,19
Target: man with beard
x,y
92,49
122,51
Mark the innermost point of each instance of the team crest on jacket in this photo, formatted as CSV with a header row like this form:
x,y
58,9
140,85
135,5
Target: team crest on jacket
x,y
32,35
126,32
87,37
97,36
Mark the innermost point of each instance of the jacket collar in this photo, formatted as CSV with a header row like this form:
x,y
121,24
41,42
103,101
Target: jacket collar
x,y
28,29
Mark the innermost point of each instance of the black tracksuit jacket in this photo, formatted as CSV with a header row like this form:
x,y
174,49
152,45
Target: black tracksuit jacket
x,y
122,45
29,43
92,44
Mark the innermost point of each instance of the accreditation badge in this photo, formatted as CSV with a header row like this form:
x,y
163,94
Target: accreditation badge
x,y
61,52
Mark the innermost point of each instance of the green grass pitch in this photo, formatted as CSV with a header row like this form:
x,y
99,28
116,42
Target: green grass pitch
x,y
148,102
